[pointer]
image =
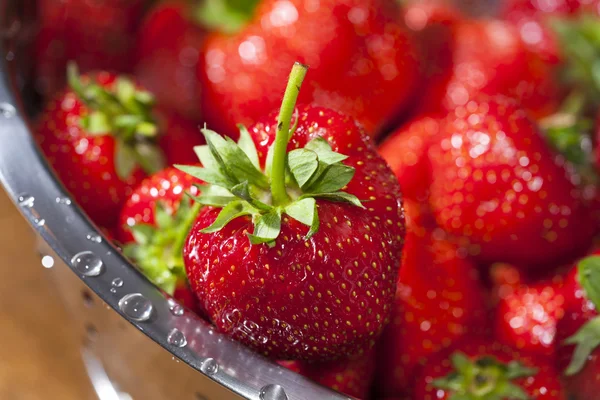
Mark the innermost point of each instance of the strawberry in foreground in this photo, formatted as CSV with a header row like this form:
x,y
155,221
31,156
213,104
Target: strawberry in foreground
x,y
299,262
154,223
578,333
439,299
100,137
352,377
497,187
477,369
365,63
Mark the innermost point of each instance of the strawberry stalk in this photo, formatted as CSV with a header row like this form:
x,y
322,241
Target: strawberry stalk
x,y
278,189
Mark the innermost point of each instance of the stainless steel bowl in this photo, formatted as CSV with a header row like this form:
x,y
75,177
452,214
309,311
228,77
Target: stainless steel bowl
x,y
136,341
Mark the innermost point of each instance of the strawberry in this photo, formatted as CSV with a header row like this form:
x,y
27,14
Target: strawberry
x,y
484,370
438,300
155,221
182,135
286,262
497,188
352,377
99,135
364,63
95,34
168,50
577,343
405,151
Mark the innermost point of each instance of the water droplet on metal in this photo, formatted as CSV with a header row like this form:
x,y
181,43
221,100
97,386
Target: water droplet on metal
x,y
40,221
272,392
113,290
94,237
7,110
48,261
26,200
63,200
136,307
175,308
209,366
117,282
177,338
87,263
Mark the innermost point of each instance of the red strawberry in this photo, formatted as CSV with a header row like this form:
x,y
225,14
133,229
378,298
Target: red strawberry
x,y
316,283
490,57
95,34
497,187
168,50
364,63
154,224
479,369
405,151
352,377
99,135
181,138
577,342
439,299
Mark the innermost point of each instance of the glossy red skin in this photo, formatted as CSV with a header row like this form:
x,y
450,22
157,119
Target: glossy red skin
x,y
84,163
490,57
95,34
545,385
167,186
317,299
578,311
405,151
184,295
179,138
439,299
497,189
352,377
168,51
366,69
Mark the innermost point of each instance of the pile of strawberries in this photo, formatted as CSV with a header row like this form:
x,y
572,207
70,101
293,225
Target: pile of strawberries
x,y
414,215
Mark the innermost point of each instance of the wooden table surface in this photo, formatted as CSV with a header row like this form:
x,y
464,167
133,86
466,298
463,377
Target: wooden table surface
x,y
39,355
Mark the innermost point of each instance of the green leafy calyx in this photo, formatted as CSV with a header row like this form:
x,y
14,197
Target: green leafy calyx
x,y
290,183
158,249
124,112
227,16
484,378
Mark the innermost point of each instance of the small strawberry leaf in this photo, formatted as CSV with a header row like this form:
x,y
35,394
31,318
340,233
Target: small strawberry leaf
x,y
97,124
208,175
305,211
142,233
242,190
124,160
341,197
266,228
588,271
149,156
212,195
246,143
162,217
269,160
515,370
333,178
303,164
586,340
324,151
231,211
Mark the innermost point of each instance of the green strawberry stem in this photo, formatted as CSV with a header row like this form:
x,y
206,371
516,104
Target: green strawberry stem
x,y
278,189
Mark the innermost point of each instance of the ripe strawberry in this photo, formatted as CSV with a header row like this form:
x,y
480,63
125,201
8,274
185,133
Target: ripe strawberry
x,y
98,35
577,343
352,377
287,290
438,300
364,63
182,135
405,151
485,370
99,135
497,187
168,51
155,221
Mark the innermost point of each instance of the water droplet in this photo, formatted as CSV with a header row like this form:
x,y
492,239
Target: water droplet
x,y
94,237
177,338
26,200
63,200
272,392
117,282
136,307
209,366
113,290
7,110
87,263
40,221
47,261
175,308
